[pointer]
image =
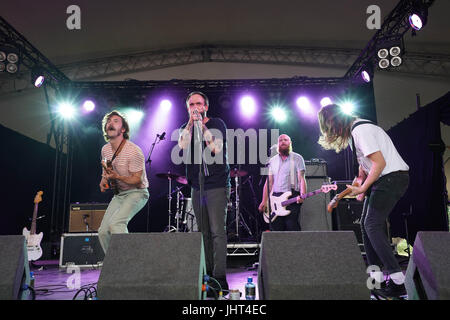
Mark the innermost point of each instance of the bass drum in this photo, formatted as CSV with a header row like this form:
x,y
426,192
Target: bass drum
x,y
188,217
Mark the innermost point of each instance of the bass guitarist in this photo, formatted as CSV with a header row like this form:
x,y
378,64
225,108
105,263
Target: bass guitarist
x,y
382,175
286,173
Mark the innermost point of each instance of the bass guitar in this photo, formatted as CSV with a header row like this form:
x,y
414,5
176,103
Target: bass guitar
x,y
279,203
34,240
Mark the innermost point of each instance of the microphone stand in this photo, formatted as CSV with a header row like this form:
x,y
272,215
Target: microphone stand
x,y
149,161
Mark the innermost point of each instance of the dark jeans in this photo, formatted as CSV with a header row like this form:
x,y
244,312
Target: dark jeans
x,y
384,195
212,224
290,222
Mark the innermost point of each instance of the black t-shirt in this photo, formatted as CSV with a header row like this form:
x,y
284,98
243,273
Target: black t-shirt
x,y
219,173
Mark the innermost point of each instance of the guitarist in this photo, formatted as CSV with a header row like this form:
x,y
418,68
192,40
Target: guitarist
x,y
383,176
126,172
286,173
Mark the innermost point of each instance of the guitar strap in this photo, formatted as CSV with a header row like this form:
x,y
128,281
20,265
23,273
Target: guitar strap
x,y
292,172
118,150
355,159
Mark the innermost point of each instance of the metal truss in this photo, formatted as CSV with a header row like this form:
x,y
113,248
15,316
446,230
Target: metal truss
x,y
396,24
30,57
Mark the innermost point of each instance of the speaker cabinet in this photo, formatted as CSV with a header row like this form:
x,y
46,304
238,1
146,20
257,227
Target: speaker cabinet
x,y
86,217
80,250
325,265
428,272
348,216
14,269
313,214
153,266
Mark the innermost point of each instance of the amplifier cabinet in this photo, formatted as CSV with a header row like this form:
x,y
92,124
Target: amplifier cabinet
x,y
86,217
80,250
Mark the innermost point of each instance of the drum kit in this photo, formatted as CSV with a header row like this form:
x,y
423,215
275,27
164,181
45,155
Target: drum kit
x,y
184,217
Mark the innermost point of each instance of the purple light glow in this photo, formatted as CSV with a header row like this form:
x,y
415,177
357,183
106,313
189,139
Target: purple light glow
x,y
416,22
248,106
365,75
165,105
88,106
39,81
325,101
304,105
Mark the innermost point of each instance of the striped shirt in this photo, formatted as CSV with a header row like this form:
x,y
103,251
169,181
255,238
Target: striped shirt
x,y
128,161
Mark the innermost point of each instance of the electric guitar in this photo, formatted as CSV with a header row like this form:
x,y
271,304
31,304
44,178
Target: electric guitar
x,y
112,185
334,202
34,240
279,203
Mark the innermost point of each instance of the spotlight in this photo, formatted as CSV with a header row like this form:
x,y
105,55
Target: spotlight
x,y
383,53
2,56
247,106
37,77
134,116
278,114
89,105
165,104
348,107
395,51
12,57
418,16
11,68
304,105
366,76
383,64
325,101
396,61
66,110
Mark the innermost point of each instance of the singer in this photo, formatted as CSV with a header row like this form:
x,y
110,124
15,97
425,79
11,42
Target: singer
x,y
211,181
127,171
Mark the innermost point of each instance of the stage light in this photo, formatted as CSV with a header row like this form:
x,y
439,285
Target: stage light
x,y
88,105
12,57
383,53
366,76
247,106
2,56
304,105
66,110
416,21
396,61
134,116
11,68
395,51
278,114
165,105
37,77
325,101
348,107
383,64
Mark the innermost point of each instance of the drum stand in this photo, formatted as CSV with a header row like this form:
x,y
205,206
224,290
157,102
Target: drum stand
x,y
237,214
169,197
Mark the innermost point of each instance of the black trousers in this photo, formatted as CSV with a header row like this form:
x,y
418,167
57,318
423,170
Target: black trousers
x,y
384,195
291,222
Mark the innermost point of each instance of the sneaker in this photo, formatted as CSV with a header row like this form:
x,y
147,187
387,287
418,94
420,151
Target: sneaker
x,y
392,290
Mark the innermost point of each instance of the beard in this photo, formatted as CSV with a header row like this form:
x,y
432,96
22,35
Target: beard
x,y
284,150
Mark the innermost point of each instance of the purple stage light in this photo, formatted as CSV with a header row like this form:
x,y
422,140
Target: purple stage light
x,y
304,104
366,76
325,101
88,106
415,21
248,106
165,105
39,81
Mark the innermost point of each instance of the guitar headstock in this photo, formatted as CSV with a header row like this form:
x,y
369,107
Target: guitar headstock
x,y
328,187
38,197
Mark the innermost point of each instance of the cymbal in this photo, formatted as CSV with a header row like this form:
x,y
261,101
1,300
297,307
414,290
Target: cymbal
x,y
182,180
238,173
168,175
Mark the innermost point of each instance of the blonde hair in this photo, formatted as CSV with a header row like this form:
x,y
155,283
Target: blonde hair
x,y
335,127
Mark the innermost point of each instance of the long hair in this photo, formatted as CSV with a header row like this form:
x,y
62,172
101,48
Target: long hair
x,y
124,124
335,127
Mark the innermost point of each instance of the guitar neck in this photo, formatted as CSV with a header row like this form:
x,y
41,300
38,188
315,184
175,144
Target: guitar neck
x,y
33,222
306,195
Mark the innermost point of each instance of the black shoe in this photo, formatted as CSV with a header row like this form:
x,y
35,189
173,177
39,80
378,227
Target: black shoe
x,y
391,290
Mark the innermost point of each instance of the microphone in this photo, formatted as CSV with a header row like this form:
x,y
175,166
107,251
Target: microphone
x,y
162,136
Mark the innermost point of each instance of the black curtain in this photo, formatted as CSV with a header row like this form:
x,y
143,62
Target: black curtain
x,y
418,140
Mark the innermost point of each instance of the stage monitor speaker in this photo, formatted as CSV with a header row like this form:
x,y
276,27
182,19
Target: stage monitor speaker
x,y
428,272
86,217
153,266
14,270
325,265
313,214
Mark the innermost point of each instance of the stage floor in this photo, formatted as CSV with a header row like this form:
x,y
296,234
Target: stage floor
x,y
53,283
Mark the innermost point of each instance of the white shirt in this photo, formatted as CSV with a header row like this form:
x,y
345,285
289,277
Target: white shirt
x,y
281,171
371,138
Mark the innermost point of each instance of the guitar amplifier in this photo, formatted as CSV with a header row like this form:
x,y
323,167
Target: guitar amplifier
x,y
316,168
80,250
86,217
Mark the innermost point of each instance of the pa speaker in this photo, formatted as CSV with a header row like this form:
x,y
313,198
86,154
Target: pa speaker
x,y
313,214
14,270
428,272
153,266
325,265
